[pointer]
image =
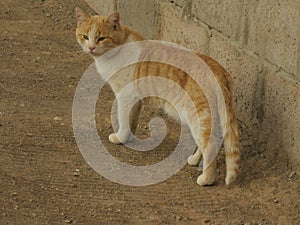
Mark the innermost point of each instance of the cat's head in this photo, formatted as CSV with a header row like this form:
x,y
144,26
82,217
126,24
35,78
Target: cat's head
x,y
98,34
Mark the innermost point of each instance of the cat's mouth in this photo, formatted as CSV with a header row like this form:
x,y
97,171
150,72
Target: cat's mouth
x,y
94,53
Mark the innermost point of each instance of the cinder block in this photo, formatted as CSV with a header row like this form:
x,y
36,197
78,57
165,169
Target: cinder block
x,y
226,16
174,28
247,72
282,117
139,15
102,7
274,34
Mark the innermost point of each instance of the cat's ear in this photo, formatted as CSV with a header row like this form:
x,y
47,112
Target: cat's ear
x,y
81,16
114,20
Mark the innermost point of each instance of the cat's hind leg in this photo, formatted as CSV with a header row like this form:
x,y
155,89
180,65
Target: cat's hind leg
x,y
208,176
194,159
201,135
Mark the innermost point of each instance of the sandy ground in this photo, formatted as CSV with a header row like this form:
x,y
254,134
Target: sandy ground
x,y
43,176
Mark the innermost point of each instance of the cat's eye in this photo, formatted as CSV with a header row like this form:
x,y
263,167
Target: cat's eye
x,y
101,39
85,37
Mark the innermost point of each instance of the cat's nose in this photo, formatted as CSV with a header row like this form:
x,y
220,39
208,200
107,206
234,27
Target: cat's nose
x,y
92,48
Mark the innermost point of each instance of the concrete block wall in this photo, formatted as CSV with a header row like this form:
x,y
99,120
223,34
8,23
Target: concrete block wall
x,y
258,42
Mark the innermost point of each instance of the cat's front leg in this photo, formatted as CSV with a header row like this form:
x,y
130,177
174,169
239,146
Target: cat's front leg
x,y
123,133
113,138
128,119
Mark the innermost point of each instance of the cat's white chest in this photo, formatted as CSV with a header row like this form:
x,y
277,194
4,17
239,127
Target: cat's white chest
x,y
118,65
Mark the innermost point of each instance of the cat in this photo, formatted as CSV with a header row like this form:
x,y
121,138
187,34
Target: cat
x,y
98,34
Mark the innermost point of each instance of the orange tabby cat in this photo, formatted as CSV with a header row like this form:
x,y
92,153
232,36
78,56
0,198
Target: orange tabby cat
x,y
99,34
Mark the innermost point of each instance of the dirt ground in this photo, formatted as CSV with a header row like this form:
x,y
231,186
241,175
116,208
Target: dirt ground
x,y
43,176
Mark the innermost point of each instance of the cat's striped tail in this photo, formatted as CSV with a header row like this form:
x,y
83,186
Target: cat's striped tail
x,y
231,142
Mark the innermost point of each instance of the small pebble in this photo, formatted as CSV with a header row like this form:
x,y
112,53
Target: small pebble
x,y
293,174
68,221
76,174
178,217
56,118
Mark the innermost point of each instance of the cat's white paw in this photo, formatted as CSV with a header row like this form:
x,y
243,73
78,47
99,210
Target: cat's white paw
x,y
205,180
193,160
114,139
230,178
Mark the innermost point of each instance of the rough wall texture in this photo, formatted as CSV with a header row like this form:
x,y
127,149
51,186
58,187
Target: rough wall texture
x,y
258,42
